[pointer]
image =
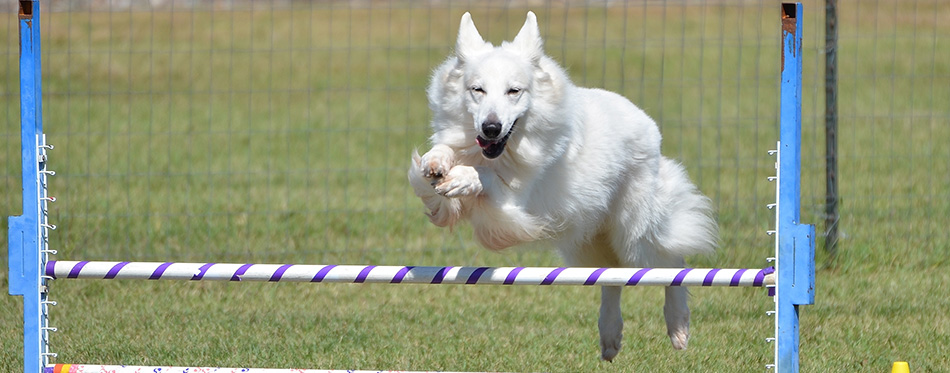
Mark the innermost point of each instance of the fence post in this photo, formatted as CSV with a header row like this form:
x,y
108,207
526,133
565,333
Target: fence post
x,y
831,127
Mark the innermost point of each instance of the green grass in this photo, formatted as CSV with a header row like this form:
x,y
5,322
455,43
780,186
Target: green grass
x,y
283,136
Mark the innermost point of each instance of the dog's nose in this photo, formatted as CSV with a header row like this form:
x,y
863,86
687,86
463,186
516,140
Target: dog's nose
x,y
491,129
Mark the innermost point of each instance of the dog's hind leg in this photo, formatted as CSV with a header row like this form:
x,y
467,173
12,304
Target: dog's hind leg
x,y
676,312
610,322
597,253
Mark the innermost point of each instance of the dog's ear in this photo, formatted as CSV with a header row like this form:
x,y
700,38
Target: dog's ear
x,y
528,41
469,41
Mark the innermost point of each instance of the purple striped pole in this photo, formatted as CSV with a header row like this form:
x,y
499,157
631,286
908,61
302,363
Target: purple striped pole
x,y
411,274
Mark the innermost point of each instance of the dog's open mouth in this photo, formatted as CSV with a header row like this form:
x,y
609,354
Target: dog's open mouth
x,y
492,149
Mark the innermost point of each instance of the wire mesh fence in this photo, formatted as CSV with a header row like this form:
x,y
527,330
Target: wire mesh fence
x,y
280,131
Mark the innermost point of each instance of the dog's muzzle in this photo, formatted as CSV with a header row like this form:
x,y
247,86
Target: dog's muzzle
x,y
492,145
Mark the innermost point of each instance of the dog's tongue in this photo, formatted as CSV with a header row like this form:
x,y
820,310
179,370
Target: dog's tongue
x,y
490,149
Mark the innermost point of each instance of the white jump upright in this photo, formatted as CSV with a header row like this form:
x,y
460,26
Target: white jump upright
x,y
792,280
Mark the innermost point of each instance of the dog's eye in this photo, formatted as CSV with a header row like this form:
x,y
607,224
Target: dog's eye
x,y
478,89
514,91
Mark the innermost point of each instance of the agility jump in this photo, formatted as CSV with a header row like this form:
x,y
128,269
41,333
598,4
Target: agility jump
x,y
31,268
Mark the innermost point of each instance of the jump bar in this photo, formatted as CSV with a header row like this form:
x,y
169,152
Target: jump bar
x,y
80,368
411,274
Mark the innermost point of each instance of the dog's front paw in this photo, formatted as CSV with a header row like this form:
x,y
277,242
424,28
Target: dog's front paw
x,y
437,162
460,181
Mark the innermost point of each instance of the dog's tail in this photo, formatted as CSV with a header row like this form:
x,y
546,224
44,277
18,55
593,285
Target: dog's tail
x,y
691,228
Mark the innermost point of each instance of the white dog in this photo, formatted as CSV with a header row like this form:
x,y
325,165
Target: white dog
x,y
524,155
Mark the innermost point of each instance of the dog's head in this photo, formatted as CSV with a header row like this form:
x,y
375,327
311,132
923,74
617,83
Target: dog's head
x,y
498,81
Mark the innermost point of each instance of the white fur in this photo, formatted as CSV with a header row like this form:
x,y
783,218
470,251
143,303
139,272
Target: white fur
x,y
582,170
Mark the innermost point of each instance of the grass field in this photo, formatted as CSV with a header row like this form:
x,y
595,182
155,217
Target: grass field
x,y
282,135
